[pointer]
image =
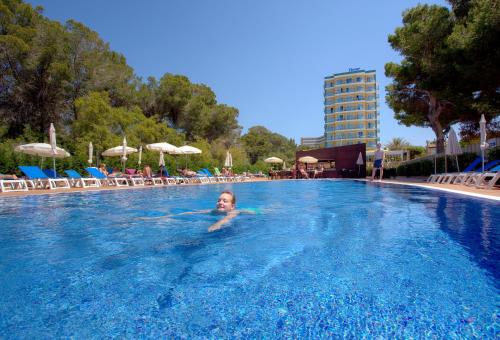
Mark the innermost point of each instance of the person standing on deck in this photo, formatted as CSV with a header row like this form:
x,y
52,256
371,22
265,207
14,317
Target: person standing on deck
x,y
379,162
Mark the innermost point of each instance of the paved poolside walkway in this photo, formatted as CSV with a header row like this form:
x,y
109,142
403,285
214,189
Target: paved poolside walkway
x,y
461,189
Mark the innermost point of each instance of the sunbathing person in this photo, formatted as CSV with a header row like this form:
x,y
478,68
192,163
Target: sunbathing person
x,y
2,176
147,172
102,168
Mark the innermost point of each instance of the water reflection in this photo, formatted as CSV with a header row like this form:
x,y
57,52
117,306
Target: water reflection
x,y
471,222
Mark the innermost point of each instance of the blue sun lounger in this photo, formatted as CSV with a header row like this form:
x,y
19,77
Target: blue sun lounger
x,y
38,179
116,181
489,179
451,177
471,178
84,182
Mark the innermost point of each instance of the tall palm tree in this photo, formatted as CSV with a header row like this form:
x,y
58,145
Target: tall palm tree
x,y
398,143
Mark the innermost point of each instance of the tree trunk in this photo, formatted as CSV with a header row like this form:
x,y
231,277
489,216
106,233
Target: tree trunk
x,y
435,110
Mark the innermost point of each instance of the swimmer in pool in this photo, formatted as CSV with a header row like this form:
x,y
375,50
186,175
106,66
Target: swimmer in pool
x,y
226,204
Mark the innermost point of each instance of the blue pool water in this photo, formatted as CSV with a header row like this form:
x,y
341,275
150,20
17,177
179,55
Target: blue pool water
x,y
323,258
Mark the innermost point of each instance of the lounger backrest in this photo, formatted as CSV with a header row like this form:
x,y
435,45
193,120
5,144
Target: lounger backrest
x,y
50,173
32,172
495,169
205,170
491,164
72,174
473,165
217,172
94,172
130,171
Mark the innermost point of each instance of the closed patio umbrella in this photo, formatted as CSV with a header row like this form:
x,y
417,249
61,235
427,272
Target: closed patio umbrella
x,y
360,162
161,163
453,147
482,130
140,155
228,163
52,138
91,153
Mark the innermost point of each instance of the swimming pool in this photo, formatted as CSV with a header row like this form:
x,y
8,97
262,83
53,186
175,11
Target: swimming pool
x,y
323,258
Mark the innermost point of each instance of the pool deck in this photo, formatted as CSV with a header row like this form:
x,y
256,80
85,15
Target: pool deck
x,y
493,194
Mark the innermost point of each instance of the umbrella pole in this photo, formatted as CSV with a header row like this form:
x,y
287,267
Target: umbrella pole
x,y
456,158
482,156
54,166
445,163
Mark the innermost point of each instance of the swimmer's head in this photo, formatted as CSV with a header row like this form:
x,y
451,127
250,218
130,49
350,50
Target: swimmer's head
x,y
226,201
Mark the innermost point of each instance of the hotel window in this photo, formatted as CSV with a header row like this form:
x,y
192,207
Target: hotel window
x,y
358,79
360,88
348,80
360,134
331,110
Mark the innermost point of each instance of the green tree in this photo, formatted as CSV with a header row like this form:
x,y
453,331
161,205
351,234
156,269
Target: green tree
x,y
419,92
446,57
103,125
260,143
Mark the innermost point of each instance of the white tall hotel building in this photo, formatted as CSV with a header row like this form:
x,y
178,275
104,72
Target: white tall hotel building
x,y
351,110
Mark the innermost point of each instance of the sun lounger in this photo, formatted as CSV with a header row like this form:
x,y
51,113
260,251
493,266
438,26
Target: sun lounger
x,y
36,178
77,180
472,178
170,180
451,177
486,180
134,178
220,176
13,184
116,181
210,176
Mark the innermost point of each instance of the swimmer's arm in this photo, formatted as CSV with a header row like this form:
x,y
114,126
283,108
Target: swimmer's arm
x,y
219,224
193,212
171,215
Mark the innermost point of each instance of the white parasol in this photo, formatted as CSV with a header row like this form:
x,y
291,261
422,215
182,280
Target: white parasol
x,y
164,147
273,160
189,150
121,150
42,150
308,159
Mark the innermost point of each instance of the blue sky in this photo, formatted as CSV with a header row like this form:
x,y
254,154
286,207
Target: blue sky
x,y
267,58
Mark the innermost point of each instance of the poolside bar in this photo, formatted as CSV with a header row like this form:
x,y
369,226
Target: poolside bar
x,y
336,162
